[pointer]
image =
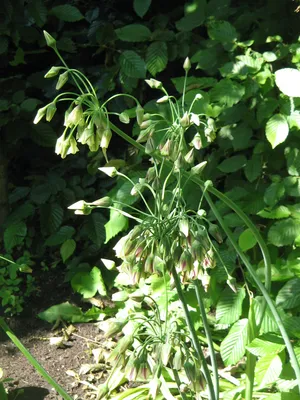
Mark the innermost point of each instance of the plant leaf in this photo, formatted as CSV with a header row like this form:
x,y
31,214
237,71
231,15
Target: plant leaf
x,y
247,240
141,7
14,235
67,13
232,164
277,213
156,57
133,33
288,81
64,233
226,92
234,345
289,295
284,233
116,224
132,64
89,283
268,369
277,130
94,227
67,249
265,345
229,307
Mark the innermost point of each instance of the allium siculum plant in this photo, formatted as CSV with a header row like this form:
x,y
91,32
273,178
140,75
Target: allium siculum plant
x,y
168,238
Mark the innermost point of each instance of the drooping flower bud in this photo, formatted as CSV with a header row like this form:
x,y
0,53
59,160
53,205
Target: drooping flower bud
x,y
80,207
124,117
185,120
205,279
153,83
150,146
163,99
145,134
75,116
145,124
73,149
104,202
189,157
84,133
139,114
53,71
197,142
185,261
105,139
187,64
214,231
110,171
184,227
198,169
40,114
62,79
51,110
135,232
151,173
166,149
51,42
209,260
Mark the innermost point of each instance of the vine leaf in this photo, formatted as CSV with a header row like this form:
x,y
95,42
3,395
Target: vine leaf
x,y
156,57
277,130
132,64
229,307
234,345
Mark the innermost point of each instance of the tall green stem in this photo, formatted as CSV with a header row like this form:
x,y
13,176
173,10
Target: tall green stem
x,y
208,337
33,361
194,336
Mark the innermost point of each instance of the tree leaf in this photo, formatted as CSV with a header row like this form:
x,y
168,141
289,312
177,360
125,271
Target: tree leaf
x,y
265,345
116,224
274,193
94,227
69,313
289,295
234,345
247,240
43,135
67,13
132,64
133,33
232,164
284,233
226,92
156,57
67,249
192,19
277,213
293,160
268,369
51,217
288,81
38,11
14,235
222,31
89,283
141,7
229,307
277,130
207,58
64,233
253,168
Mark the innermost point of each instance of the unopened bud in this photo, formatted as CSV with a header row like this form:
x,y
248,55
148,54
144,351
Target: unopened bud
x,y
62,79
184,227
40,114
189,157
51,42
197,142
145,124
198,169
124,117
75,116
103,202
139,114
51,110
205,279
214,231
166,149
153,83
185,120
105,139
151,174
185,261
110,171
53,71
162,100
187,64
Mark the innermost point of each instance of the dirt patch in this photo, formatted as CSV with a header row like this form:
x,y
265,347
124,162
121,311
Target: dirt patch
x,y
34,334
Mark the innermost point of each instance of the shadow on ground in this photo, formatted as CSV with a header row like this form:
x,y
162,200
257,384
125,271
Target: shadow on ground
x,y
28,393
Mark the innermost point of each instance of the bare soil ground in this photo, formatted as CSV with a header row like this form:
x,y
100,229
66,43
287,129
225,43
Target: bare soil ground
x,y
34,334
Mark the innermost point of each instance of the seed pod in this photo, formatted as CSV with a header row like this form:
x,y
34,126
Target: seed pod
x,y
51,110
214,231
62,79
139,114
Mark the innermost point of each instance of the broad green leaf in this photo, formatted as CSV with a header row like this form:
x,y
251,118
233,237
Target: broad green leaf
x,y
229,307
232,164
226,92
64,233
234,70
21,213
294,120
277,130
222,31
274,193
289,296
38,11
193,18
156,57
193,82
247,240
19,193
207,58
266,108
293,160
141,7
133,33
234,345
253,168
284,233
41,193
66,44
279,212
295,210
265,345
132,64
67,249
288,81
67,13
14,235
51,217
43,135
292,186
67,312
268,369
116,224
89,283
94,227
29,105
284,396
